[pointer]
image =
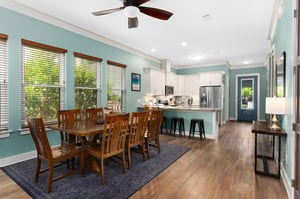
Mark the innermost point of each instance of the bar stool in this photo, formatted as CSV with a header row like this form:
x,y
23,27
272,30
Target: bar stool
x,y
164,125
201,129
180,122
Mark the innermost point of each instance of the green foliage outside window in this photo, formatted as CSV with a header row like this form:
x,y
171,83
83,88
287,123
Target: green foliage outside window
x,y
86,79
42,84
41,78
113,95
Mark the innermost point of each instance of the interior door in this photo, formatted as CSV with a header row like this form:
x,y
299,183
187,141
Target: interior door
x,y
247,98
296,126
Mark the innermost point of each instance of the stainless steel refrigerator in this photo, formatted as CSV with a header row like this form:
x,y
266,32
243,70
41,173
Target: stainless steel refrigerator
x,y
211,97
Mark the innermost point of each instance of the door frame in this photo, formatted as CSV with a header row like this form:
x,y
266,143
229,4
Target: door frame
x,y
237,90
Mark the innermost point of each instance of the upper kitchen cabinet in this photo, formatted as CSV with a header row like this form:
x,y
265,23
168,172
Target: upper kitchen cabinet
x,y
154,81
171,79
191,84
211,79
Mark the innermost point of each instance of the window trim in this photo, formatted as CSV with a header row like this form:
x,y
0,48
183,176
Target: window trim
x,y
123,89
5,132
45,47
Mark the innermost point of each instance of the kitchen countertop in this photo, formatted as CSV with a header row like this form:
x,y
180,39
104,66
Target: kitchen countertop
x,y
186,108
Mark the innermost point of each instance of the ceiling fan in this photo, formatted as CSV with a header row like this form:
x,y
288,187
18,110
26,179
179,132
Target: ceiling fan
x,y
132,8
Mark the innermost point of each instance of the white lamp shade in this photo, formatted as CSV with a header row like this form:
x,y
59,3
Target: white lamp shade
x,y
275,105
131,11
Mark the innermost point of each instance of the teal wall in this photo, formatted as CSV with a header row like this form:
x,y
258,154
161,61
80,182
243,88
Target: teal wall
x,y
261,71
283,41
17,27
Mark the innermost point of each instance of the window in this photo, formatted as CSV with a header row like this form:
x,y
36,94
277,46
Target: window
x,y
87,81
43,81
116,93
3,83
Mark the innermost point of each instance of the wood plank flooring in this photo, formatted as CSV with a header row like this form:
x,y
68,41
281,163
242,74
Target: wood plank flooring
x,y
212,169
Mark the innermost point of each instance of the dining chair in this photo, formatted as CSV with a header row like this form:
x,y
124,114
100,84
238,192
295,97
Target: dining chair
x,y
113,141
96,114
153,130
52,156
69,116
138,125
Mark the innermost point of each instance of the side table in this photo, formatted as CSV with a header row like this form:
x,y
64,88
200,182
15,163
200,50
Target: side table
x,y
261,127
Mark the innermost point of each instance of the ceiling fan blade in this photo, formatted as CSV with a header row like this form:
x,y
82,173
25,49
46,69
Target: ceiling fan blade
x,y
105,12
132,22
140,2
155,12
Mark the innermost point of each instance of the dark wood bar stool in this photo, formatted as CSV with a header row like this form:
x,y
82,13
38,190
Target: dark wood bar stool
x,y
201,129
180,122
164,126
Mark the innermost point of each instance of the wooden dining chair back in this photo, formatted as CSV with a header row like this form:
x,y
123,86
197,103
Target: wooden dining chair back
x,y
112,142
153,130
52,156
68,116
138,125
95,114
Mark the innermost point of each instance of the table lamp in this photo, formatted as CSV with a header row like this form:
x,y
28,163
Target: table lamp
x,y
275,106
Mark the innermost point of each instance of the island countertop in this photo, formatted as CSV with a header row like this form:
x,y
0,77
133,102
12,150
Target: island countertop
x,y
186,108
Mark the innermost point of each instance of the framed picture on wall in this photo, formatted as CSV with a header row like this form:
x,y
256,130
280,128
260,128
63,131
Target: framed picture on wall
x,y
135,82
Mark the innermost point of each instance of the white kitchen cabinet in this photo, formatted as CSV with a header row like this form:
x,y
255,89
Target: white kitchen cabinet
x,y
171,79
211,79
154,81
191,84
180,85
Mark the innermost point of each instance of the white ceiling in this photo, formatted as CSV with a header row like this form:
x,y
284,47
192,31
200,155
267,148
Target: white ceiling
x,y
235,31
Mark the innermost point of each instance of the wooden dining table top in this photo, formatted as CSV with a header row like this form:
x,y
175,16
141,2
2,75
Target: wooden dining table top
x,y
79,128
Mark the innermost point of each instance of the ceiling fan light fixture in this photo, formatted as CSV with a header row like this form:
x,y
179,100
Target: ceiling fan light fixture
x,y
131,11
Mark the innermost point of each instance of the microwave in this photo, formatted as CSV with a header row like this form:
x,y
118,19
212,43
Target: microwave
x,y
169,90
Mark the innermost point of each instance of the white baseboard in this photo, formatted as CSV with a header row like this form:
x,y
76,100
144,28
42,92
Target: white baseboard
x,y
286,183
17,158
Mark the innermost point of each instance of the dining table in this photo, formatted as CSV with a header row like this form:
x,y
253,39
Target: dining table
x,y
86,130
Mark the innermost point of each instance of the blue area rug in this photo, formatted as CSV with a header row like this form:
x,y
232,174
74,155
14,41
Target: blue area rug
x,y
117,184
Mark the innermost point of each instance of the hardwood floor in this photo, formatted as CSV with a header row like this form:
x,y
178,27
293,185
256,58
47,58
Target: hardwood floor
x,y
212,169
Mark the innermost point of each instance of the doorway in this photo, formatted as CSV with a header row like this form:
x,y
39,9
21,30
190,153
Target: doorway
x,y
247,98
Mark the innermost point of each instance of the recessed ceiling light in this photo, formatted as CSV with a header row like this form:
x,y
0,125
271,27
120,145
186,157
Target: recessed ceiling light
x,y
247,61
153,50
183,43
196,57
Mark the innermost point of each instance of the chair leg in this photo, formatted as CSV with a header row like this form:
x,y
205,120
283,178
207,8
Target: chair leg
x,y
143,152
37,172
128,157
102,170
123,162
82,163
158,144
50,176
148,148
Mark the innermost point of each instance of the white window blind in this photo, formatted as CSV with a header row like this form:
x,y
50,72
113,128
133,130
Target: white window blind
x,y
87,81
3,83
43,81
116,89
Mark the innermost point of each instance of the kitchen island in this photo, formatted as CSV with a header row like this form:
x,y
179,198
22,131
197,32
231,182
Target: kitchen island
x,y
209,115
